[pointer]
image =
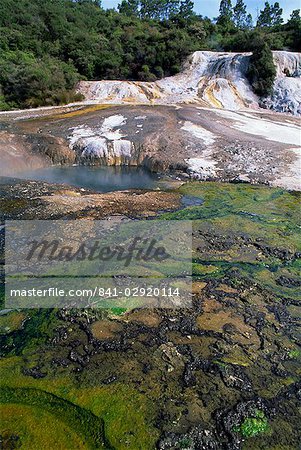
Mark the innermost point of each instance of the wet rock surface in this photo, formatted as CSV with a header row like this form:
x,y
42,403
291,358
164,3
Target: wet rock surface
x,y
208,78
26,200
223,374
203,143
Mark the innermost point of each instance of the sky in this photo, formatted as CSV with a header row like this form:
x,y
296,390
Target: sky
x,y
210,7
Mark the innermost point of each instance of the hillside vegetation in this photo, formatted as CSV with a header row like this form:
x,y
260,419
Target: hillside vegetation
x,y
46,47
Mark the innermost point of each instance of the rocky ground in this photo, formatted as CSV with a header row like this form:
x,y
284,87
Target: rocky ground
x,y
222,374
208,144
27,200
208,79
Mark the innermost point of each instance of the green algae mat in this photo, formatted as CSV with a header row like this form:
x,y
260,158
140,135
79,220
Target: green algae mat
x,y
223,374
50,420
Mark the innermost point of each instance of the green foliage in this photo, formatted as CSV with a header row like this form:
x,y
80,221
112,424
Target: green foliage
x,y
295,18
276,14
238,42
264,18
225,18
225,8
293,31
270,16
46,47
262,71
252,426
129,7
157,9
185,443
30,82
186,9
4,106
241,18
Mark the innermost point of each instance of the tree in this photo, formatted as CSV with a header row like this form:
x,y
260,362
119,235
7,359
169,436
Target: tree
x,y
270,16
249,21
262,70
294,28
265,16
170,8
295,18
58,42
151,9
91,2
276,13
225,15
160,9
241,18
225,8
28,82
186,9
129,7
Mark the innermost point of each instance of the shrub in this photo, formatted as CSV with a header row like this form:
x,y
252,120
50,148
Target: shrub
x,y
262,70
30,82
46,46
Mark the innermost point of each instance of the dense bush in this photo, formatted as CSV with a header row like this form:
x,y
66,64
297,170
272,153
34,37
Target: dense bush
x,y
262,70
30,82
47,46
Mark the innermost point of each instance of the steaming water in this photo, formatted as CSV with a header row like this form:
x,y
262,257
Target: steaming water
x,y
105,179
99,179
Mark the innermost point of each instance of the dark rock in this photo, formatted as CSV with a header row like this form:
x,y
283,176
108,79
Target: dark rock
x,y
110,379
76,357
198,438
288,282
34,372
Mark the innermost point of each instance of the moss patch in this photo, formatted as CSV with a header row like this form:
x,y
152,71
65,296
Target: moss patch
x,y
33,428
83,422
128,416
252,426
